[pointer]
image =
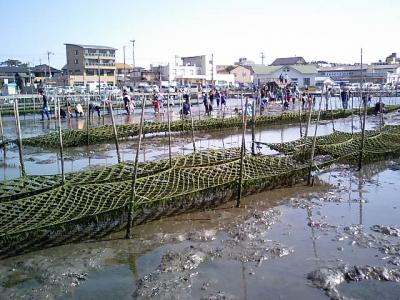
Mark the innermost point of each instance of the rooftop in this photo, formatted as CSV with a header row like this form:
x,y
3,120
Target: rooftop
x,y
283,61
93,47
304,69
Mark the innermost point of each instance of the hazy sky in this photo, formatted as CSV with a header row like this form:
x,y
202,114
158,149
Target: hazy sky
x,y
317,30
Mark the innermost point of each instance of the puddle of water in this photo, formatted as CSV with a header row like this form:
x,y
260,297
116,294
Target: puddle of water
x,y
371,290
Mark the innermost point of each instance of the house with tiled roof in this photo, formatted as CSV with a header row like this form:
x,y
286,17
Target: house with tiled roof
x,y
287,61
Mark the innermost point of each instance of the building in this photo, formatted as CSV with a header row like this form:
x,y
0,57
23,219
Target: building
x,y
370,73
188,70
90,64
243,61
287,61
44,73
7,74
123,72
392,59
242,75
303,75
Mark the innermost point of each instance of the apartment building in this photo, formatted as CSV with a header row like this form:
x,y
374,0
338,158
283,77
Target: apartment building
x,y
90,64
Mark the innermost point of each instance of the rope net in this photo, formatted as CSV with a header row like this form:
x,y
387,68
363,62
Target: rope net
x,y
105,133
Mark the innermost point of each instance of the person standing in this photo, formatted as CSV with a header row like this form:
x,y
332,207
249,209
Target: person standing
x,y
345,98
127,100
45,106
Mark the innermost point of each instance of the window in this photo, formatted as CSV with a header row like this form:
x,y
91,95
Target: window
x,y
306,81
75,61
76,52
243,74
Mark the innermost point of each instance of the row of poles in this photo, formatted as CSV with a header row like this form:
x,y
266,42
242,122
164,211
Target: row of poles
x,y
130,206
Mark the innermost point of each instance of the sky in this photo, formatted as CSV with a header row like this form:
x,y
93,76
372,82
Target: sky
x,y
333,31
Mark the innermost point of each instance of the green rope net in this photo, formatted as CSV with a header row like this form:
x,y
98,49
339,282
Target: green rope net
x,y
105,133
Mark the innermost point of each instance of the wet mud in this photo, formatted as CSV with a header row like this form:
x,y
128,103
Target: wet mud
x,y
336,240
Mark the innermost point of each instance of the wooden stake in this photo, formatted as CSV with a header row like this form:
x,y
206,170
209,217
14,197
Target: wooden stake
x,y
61,141
242,153
192,121
19,138
1,128
314,143
87,121
134,176
253,129
300,121
169,132
115,132
363,122
309,119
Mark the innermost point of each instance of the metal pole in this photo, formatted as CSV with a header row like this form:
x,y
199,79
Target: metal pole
x,y
242,154
169,133
98,71
134,176
124,67
61,141
115,132
133,53
19,138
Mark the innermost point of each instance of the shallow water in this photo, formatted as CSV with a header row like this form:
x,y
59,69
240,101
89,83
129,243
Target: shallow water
x,y
262,250
40,161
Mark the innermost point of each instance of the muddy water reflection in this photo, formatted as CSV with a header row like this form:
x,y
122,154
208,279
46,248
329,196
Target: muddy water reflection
x,y
265,249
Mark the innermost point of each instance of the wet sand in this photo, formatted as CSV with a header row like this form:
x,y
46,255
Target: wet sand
x,y
291,243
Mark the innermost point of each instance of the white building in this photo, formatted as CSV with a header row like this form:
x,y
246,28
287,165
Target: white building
x,y
198,70
303,75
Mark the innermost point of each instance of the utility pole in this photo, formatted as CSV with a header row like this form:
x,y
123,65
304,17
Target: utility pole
x,y
124,67
30,74
48,61
133,53
98,70
262,58
212,69
133,62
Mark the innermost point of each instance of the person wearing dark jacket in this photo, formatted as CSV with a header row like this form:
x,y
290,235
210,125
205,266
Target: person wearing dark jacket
x,y
45,106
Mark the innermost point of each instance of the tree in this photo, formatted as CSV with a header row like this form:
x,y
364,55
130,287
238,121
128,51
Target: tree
x,y
11,63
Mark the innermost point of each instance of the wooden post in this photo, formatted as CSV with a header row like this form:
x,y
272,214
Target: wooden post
x,y
192,121
115,132
300,121
309,119
253,128
242,153
380,112
364,102
1,128
314,143
34,110
169,132
61,141
19,138
134,176
87,120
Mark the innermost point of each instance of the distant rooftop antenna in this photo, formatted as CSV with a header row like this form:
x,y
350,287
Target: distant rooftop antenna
x,y
262,58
